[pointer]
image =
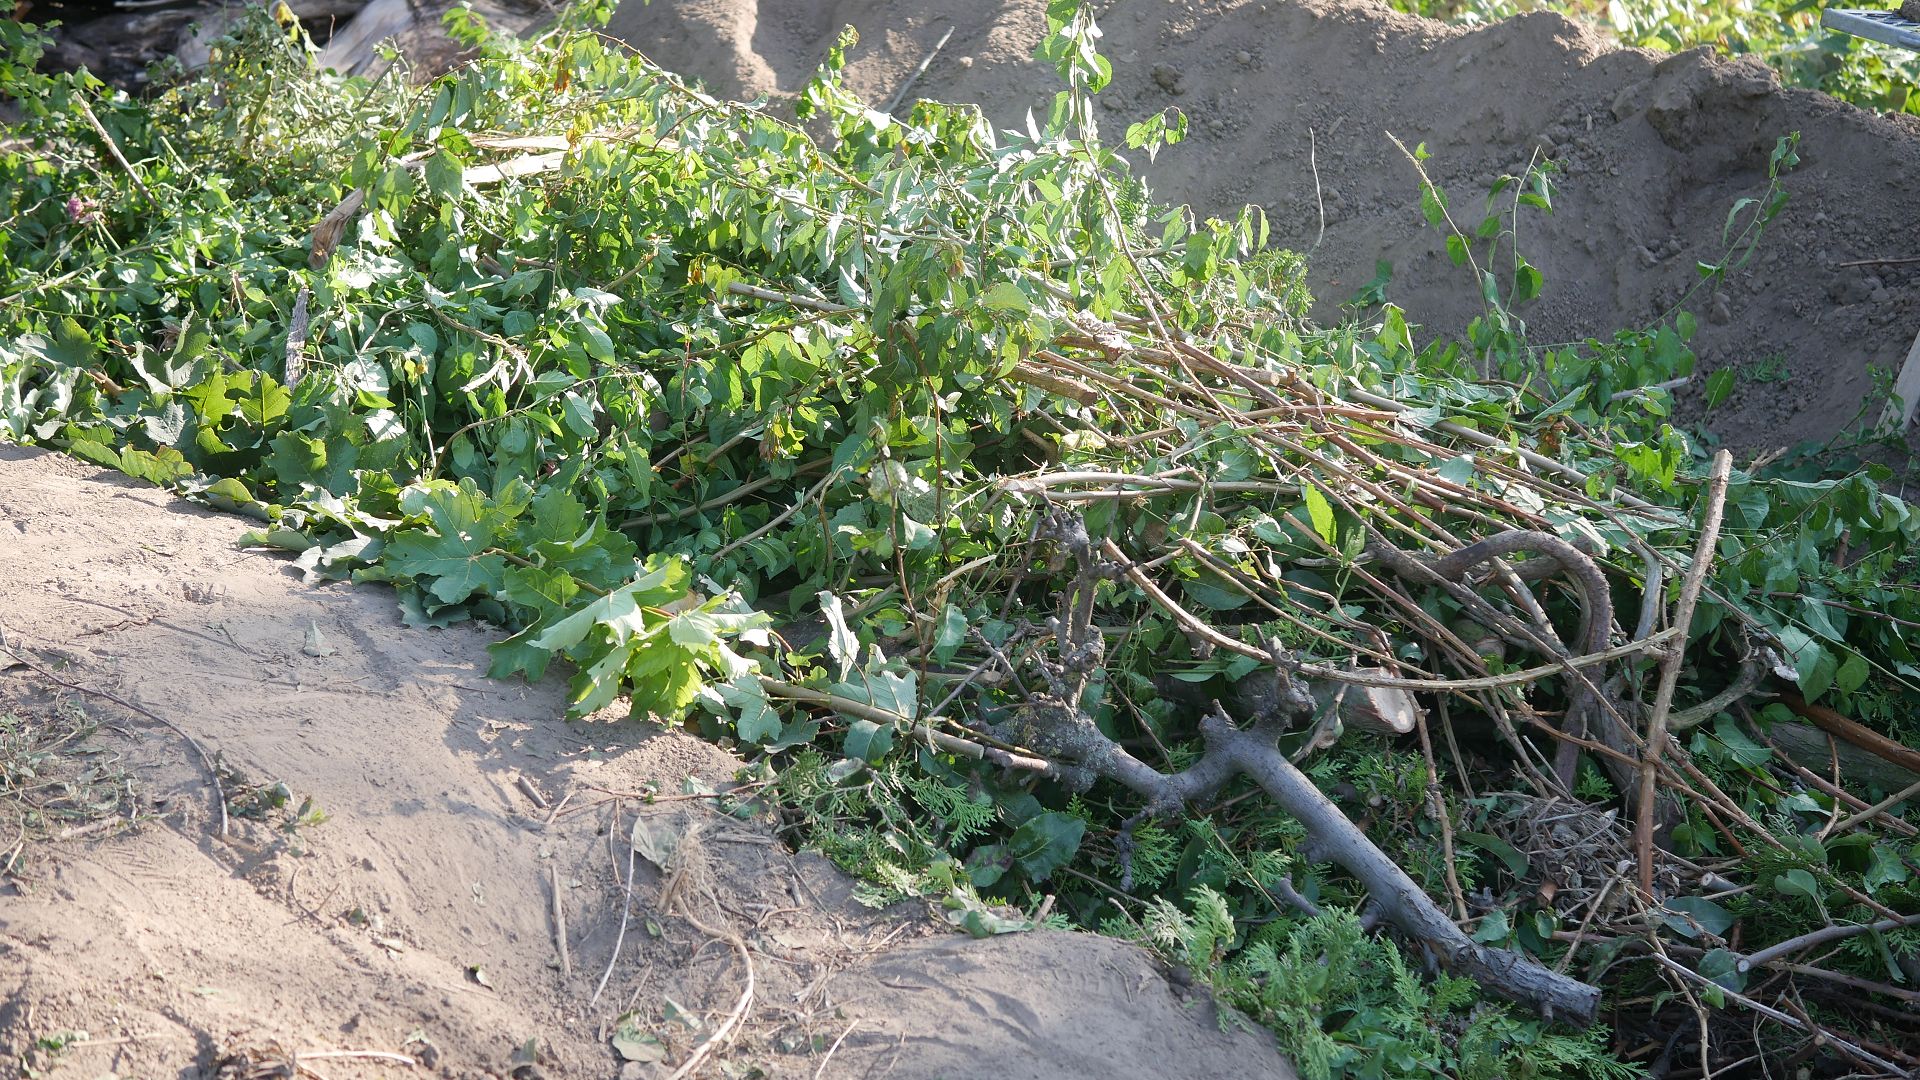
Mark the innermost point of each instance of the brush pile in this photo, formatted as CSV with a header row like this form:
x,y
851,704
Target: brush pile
x,y
1026,532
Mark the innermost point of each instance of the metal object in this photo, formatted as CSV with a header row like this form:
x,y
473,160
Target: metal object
x,y
1886,27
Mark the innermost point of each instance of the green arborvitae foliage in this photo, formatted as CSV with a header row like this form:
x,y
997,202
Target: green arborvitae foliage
x,y
1347,1005
750,427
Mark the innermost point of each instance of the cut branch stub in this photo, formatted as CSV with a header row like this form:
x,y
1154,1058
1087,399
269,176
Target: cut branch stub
x,y
1382,710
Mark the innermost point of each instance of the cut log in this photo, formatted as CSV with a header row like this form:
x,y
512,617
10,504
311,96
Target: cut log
x,y
1860,771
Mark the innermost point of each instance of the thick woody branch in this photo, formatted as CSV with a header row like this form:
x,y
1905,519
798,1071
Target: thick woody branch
x,y
1233,751
1057,729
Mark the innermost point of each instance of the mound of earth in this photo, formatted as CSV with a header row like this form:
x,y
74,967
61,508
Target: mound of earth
x,y
1291,102
397,899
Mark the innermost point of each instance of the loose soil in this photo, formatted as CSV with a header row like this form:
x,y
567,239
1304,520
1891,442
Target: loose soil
x,y
417,918
1287,97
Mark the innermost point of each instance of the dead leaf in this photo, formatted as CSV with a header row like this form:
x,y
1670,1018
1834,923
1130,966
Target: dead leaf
x,y
315,644
633,1043
654,839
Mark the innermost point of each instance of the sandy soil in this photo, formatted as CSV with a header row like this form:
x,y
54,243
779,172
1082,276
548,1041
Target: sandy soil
x,y
1654,150
418,917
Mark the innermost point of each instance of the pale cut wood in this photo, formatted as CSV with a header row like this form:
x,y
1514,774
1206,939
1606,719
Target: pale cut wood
x,y
1898,415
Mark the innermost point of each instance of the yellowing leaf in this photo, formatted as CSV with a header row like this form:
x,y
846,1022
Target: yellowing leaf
x,y
1321,512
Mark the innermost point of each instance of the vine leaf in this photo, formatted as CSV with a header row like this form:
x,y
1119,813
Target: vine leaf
x,y
452,561
1689,916
1046,842
757,720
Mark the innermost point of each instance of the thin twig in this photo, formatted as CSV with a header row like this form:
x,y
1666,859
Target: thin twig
x,y
113,148
779,519
1775,1014
822,1070
525,783
926,62
1190,622
1670,664
1821,937
1319,198
723,499
626,912
560,924
1902,261
734,1019
354,1055
1437,806
1878,808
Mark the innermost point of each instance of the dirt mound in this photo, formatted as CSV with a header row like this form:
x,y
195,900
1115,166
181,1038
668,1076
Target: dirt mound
x,y
408,908
1655,150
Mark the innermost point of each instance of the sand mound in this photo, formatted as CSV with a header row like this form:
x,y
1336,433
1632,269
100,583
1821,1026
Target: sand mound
x,y
417,918
1655,150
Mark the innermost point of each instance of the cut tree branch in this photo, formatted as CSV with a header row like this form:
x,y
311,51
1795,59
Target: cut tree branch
x,y
1231,752
1670,665
1057,729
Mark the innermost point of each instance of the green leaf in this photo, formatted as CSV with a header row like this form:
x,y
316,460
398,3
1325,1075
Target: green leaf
x,y
1321,513
1046,842
987,864
452,561
1516,863
867,740
544,590
1740,746
265,401
1798,883
1887,868
1527,282
444,175
1719,387
622,611
951,634
967,912
1813,664
1852,673
518,655
1722,968
633,1043
1689,916
1493,929
842,644
892,691
757,720
1005,296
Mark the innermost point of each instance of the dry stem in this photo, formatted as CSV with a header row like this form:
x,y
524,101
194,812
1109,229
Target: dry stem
x,y
1670,664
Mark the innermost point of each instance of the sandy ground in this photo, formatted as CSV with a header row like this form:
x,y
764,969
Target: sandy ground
x,y
417,918
1653,153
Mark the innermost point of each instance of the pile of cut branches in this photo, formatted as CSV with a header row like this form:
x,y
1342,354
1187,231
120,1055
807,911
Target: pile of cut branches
x,y
1026,533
